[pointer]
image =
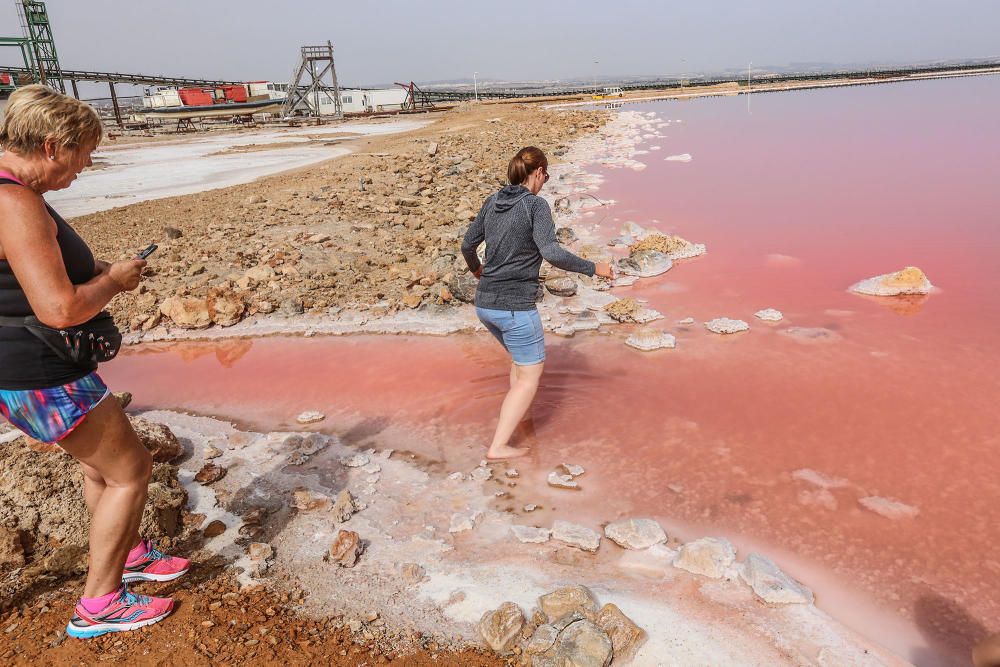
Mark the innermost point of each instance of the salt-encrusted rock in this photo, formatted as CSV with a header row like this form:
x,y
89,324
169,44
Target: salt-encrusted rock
x,y
561,481
586,321
626,637
307,501
260,551
456,476
355,460
635,533
565,235
673,247
576,535
581,644
570,469
890,509
683,157
344,507
310,417
481,474
648,339
645,264
623,310
567,600
211,452
686,321
565,330
561,286
542,640
346,549
512,472
709,556
769,315
463,521
225,307
161,442
187,312
772,585
210,473
500,627
530,534
724,325
909,280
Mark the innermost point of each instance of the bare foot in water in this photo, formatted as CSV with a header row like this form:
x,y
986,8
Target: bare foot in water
x,y
505,452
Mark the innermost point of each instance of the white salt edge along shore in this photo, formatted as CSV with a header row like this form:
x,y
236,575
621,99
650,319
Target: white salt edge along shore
x,y
461,576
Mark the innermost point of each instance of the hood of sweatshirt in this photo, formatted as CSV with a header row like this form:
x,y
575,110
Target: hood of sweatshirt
x,y
508,196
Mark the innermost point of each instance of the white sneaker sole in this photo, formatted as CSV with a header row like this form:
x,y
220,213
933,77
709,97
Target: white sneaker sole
x,y
129,577
99,629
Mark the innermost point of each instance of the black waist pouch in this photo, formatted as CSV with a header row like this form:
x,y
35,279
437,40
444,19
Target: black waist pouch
x,y
94,342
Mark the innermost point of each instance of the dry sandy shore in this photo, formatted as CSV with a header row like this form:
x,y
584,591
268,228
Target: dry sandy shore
x,y
368,242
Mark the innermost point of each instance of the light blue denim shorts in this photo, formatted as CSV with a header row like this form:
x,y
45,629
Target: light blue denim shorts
x,y
519,331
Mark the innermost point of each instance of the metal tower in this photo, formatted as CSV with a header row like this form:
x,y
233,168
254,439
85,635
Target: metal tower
x,y
38,31
307,85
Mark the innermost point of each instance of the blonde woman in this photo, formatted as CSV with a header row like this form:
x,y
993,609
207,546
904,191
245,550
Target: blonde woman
x,y
52,336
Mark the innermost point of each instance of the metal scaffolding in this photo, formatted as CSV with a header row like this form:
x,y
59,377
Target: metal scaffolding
x,y
308,83
41,44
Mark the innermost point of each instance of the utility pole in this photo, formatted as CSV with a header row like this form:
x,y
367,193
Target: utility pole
x,y
475,84
596,63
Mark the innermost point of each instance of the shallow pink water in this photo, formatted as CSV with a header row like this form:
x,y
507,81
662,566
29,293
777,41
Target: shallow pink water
x,y
900,401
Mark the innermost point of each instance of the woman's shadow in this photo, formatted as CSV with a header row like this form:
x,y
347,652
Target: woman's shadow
x,y
950,631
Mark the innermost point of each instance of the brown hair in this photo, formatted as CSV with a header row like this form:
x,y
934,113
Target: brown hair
x,y
36,113
526,161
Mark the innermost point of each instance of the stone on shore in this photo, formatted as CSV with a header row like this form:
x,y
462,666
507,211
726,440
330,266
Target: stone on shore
x,y
561,481
355,460
581,644
635,533
308,501
225,308
310,417
463,521
645,264
709,557
623,310
210,473
158,439
570,469
769,315
561,286
187,312
648,339
909,280
567,600
346,549
501,627
673,247
344,507
576,535
626,637
724,325
772,585
531,534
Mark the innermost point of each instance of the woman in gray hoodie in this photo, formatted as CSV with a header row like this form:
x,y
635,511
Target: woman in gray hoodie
x,y
519,232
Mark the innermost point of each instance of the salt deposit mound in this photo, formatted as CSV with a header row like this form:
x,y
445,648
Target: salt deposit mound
x,y
909,280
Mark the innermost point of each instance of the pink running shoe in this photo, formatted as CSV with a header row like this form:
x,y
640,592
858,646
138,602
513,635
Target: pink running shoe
x,y
127,611
155,566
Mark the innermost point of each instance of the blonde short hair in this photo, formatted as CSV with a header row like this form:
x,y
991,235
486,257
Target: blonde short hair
x,y
36,113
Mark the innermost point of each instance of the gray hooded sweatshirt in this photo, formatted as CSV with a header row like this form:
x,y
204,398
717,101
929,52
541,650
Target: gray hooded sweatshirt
x,y
519,232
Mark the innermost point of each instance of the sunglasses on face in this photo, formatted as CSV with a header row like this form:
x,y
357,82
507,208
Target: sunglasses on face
x,y
546,172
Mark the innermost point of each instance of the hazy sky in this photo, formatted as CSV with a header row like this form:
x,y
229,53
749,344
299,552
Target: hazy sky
x,y
380,41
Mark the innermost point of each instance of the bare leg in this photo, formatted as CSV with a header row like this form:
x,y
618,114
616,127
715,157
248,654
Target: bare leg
x,y
93,487
524,385
106,444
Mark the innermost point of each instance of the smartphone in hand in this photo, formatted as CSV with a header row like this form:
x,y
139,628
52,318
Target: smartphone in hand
x,y
147,251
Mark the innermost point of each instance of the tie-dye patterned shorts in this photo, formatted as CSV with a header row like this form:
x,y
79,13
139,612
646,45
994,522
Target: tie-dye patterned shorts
x,y
49,415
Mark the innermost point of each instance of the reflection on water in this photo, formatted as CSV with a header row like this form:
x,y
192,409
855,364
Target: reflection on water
x,y
773,436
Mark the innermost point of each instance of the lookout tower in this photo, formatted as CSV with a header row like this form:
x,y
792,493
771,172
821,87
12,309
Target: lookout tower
x,y
313,88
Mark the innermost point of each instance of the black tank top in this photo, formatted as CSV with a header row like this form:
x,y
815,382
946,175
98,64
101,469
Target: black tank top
x,y
25,361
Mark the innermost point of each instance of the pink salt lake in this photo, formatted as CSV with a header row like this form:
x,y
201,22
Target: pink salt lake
x,y
769,439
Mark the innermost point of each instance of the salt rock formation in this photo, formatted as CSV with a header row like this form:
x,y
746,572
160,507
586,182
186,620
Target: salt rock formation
x,y
909,280
561,286
531,534
501,627
568,600
187,312
635,533
576,535
310,417
724,325
626,637
645,264
683,157
769,315
772,585
623,310
648,339
709,556
673,247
